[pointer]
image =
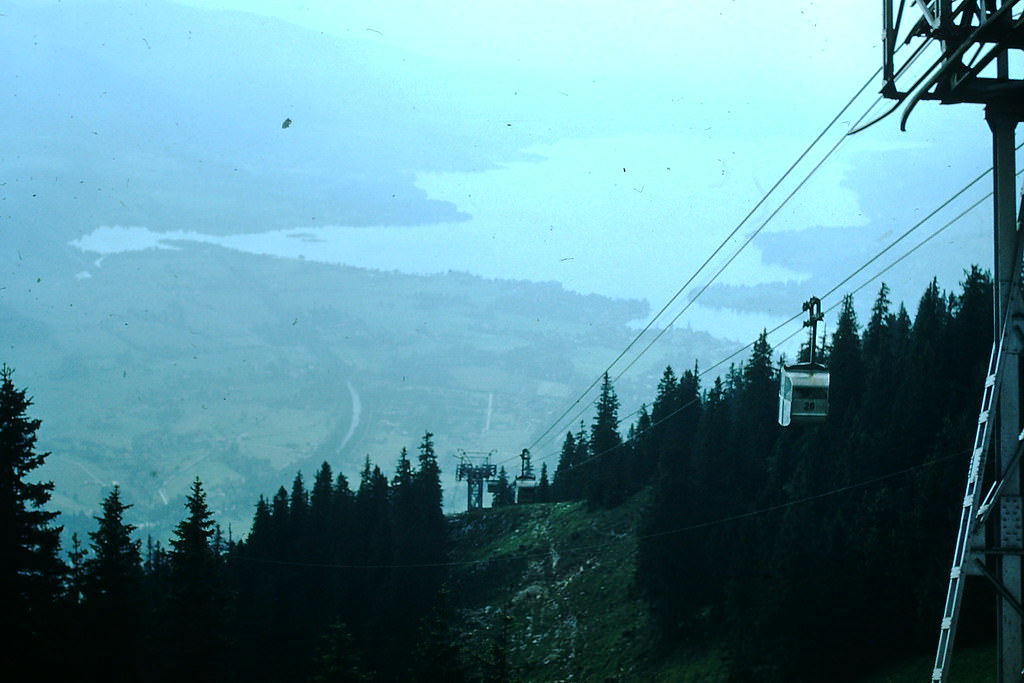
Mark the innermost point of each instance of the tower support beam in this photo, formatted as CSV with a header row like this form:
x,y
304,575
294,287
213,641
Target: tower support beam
x,y
1005,533
976,41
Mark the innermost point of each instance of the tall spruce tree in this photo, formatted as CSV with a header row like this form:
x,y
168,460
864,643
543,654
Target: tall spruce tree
x,y
197,604
755,424
280,536
606,477
846,364
321,497
432,531
502,489
564,487
114,569
298,510
112,589
427,481
31,571
543,485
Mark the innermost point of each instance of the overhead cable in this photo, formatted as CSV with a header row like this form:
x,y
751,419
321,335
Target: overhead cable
x,y
712,256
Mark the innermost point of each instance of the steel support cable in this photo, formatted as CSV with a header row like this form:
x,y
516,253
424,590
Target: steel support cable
x,y
864,284
692,401
761,227
693,299
906,234
871,279
736,254
917,246
743,246
708,260
835,305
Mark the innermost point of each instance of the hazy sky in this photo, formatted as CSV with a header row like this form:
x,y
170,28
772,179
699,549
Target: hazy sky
x,y
699,108
610,146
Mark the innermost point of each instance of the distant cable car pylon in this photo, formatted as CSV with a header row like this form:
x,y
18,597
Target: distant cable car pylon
x,y
803,387
476,469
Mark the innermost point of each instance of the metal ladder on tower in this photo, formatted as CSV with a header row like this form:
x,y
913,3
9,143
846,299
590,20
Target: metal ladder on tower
x,y
968,515
973,513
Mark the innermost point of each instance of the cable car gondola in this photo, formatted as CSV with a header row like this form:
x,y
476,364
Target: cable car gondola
x,y
803,387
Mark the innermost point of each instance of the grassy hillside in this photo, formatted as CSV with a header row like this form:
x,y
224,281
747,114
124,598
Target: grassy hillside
x,y
551,583
552,586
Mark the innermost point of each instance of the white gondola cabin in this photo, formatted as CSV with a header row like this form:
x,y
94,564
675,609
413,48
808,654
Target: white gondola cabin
x,y
803,388
803,394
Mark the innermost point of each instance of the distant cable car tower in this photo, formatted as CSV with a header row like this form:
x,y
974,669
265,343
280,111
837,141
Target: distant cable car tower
x,y
803,387
475,468
980,44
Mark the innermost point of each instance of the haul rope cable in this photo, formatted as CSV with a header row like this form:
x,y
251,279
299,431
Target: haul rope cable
x,y
892,244
714,253
860,269
750,238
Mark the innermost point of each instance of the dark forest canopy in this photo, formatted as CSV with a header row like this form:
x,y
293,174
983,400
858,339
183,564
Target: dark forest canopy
x,y
795,551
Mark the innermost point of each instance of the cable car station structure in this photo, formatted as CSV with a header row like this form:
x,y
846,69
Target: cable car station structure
x,y
978,44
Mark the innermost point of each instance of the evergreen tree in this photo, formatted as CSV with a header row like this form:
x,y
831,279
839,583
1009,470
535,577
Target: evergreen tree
x,y
196,608
565,486
971,314
113,581
543,486
643,457
879,360
678,494
114,570
925,386
404,511
372,547
280,525
845,364
342,503
606,478
877,342
322,496
754,423
258,543
427,483
76,570
298,507
504,493
31,571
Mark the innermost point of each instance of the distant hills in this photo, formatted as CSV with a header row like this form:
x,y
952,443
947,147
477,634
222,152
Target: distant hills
x,y
166,364
151,367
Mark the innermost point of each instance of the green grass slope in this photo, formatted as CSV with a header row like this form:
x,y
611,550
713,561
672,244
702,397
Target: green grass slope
x,y
550,587
545,592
